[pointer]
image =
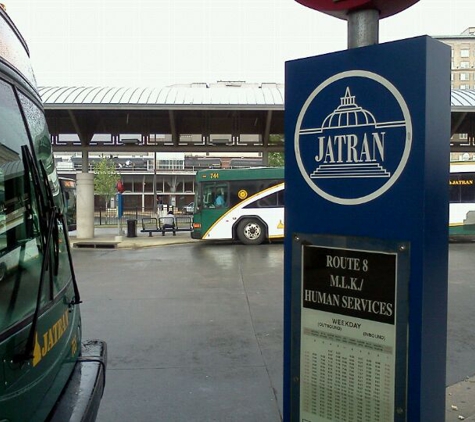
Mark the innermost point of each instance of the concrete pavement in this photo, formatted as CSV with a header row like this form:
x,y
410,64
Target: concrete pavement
x,y
194,331
460,397
460,401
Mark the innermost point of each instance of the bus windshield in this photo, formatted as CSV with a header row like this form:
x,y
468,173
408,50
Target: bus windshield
x,y
215,195
19,232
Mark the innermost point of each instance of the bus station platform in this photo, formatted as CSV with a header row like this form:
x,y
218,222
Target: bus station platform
x,y
113,238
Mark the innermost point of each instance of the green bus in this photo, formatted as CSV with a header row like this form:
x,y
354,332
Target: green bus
x,y
47,371
239,204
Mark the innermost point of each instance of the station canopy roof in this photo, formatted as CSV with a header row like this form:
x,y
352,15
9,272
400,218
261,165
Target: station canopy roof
x,y
463,100
462,103
235,107
223,94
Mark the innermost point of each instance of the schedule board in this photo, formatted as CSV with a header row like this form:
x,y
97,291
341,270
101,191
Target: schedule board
x,y
353,329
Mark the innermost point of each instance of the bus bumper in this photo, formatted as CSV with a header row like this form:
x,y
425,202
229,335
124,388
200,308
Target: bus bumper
x,y
195,234
79,402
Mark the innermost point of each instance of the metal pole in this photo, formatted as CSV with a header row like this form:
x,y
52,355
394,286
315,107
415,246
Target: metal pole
x,y
363,28
120,212
155,183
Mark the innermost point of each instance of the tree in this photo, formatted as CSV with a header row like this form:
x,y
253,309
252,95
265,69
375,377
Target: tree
x,y
105,179
276,159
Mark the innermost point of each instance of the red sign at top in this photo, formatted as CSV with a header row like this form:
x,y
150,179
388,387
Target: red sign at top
x,y
340,8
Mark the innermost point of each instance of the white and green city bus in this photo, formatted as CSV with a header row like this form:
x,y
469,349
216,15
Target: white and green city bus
x,y
239,204
462,200
48,373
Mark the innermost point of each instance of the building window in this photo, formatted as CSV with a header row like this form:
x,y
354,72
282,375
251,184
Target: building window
x,y
464,76
465,53
464,87
463,135
170,164
464,65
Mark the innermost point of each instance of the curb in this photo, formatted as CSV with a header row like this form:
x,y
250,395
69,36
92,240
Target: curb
x,y
109,241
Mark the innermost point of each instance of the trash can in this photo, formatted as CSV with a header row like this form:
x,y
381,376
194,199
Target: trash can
x,y
131,228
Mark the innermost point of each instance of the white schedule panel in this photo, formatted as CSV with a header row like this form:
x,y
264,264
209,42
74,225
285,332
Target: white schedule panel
x,y
348,335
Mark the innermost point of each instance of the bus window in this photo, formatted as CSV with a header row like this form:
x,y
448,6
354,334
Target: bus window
x,y
68,187
281,198
241,190
467,187
454,191
215,195
37,124
462,188
274,200
271,201
20,256
42,143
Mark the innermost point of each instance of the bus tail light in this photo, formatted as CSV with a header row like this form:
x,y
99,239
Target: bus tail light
x,y
197,225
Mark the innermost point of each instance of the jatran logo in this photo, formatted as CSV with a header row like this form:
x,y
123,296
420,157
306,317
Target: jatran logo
x,y
353,137
48,340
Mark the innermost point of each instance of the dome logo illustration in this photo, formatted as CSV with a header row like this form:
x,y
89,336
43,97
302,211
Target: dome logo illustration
x,y
353,137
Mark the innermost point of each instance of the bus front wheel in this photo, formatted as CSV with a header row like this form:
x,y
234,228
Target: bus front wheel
x,y
251,231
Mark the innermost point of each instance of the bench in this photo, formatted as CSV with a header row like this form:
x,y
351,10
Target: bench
x,y
150,225
183,223
168,223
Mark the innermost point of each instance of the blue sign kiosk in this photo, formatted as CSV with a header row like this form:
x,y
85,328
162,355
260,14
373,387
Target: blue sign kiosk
x,y
366,248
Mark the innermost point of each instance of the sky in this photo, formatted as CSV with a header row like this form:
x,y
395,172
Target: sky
x,y
156,43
